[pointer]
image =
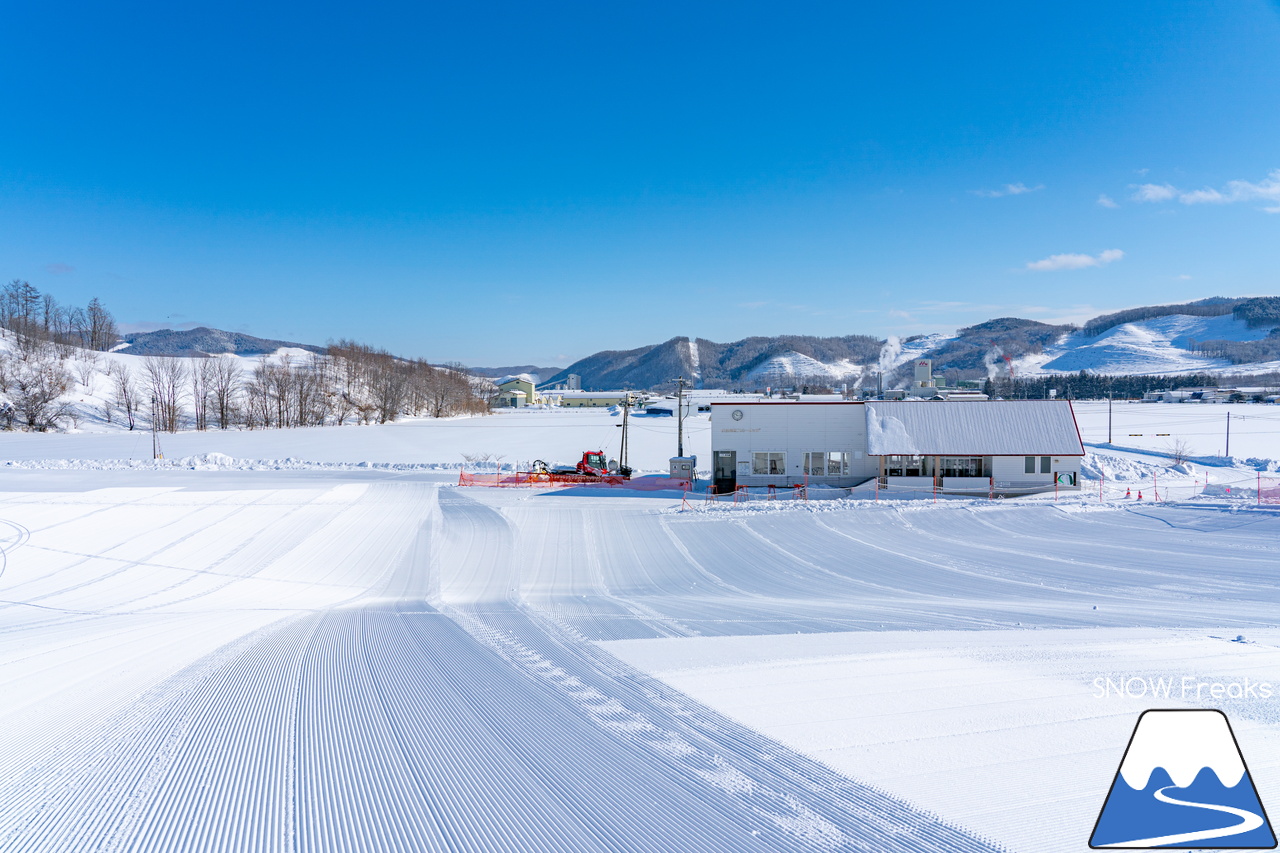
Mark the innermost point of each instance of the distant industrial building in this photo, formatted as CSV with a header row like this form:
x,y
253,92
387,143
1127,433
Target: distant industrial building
x,y
516,391
519,390
1014,446
580,399
1203,395
925,387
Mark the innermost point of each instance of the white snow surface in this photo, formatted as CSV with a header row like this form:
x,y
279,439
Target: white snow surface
x,y
1183,743
1156,429
311,640
517,436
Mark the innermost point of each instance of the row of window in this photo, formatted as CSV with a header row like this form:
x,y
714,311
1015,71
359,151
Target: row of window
x,y
835,463
922,466
818,463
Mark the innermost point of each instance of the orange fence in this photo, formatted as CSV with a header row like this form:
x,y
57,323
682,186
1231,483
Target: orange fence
x,y
535,480
1257,489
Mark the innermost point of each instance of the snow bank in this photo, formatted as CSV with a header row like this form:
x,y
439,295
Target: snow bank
x,y
220,462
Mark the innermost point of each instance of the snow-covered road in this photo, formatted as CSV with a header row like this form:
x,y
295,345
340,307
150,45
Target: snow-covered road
x,y
218,661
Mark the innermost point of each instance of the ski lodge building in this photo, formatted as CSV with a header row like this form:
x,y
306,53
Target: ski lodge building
x,y
960,446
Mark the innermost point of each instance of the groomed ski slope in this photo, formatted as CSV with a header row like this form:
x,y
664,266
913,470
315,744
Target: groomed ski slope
x,y
231,661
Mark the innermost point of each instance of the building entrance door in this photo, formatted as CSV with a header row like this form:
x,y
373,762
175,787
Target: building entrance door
x,y
725,474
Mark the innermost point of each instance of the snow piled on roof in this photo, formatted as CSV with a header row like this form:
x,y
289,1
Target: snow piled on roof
x,y
977,428
523,377
884,430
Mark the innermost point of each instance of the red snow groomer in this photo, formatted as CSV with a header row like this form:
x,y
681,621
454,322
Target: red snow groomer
x,y
593,468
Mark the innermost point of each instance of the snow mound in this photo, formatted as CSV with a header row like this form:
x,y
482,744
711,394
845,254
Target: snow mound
x,y
220,462
1109,466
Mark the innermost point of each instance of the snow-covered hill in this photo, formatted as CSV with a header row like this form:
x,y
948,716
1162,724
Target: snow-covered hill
x,y
1156,346
790,364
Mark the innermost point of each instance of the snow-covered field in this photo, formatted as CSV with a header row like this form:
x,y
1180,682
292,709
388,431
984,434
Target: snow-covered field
x,y
326,655
516,436
1158,427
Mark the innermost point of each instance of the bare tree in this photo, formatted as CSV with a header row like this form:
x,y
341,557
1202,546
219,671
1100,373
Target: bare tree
x,y
36,387
225,389
87,369
165,380
202,378
20,308
101,326
1179,451
126,393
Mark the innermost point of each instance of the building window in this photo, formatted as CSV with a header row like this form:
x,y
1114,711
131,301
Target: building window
x,y
961,466
769,463
827,463
906,466
1030,466
1045,467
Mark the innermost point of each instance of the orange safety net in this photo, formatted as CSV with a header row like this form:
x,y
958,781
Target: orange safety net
x,y
535,480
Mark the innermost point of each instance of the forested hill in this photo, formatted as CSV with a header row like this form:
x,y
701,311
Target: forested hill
x,y
1218,334
204,341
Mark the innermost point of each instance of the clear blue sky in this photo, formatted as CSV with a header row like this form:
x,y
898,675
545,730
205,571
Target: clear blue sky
x,y
514,183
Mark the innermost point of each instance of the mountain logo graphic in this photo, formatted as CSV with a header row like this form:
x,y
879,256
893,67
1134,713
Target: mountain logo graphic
x,y
1182,782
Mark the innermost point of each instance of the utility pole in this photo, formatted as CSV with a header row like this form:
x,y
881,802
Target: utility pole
x,y
680,416
1228,453
1108,416
626,407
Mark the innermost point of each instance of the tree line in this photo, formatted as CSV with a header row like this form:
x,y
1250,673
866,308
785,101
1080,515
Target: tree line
x,y
1091,386
53,348
37,316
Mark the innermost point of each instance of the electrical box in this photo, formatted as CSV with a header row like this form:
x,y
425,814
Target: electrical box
x,y
683,467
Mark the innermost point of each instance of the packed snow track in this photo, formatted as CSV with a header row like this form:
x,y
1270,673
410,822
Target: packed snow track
x,y
322,663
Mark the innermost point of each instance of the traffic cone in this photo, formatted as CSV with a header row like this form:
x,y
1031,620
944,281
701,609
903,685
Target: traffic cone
x,y
1139,494
1128,493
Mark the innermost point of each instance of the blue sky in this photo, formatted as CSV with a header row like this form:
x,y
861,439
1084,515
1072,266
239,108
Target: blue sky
x,y
516,183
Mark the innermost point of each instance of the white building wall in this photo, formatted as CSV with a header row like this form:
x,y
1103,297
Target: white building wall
x,y
1010,471
794,429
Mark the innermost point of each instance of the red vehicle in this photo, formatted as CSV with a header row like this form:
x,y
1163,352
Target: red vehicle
x,y
593,464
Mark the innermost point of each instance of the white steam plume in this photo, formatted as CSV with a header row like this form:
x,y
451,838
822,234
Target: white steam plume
x,y
989,361
889,353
